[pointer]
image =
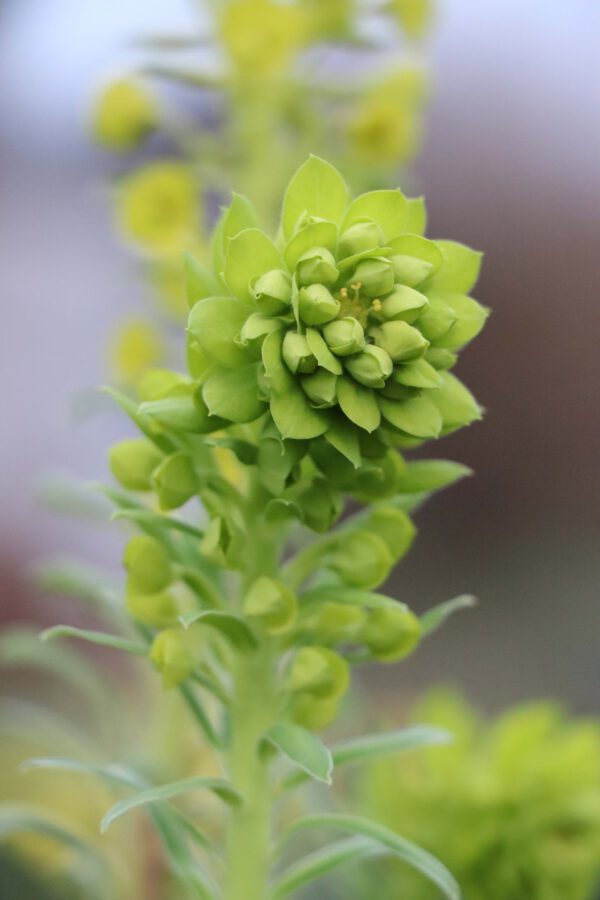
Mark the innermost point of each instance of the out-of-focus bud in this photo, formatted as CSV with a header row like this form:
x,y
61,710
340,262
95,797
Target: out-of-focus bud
x,y
437,319
271,603
176,652
333,623
133,461
321,505
375,276
319,671
272,292
440,358
320,388
175,481
317,305
123,116
158,610
363,235
362,559
317,266
391,634
403,303
400,340
313,713
297,354
371,367
147,564
456,404
344,336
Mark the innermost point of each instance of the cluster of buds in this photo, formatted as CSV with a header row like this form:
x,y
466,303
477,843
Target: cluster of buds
x,y
345,328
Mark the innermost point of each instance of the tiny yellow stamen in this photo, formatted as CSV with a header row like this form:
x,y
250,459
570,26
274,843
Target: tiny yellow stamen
x,y
376,304
343,292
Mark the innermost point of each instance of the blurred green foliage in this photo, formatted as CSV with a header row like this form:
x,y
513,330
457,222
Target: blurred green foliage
x,y
512,806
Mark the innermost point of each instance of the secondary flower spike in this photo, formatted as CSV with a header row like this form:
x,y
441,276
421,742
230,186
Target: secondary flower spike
x,y
345,325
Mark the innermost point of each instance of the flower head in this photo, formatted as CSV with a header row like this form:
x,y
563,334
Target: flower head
x,y
345,327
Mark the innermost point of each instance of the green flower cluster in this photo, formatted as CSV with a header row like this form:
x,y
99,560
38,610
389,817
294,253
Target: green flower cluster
x,y
511,806
344,328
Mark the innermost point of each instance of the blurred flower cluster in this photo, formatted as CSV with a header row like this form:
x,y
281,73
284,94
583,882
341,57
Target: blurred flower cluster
x,y
241,102
512,805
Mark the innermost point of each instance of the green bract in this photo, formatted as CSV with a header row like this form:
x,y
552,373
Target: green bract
x,y
342,325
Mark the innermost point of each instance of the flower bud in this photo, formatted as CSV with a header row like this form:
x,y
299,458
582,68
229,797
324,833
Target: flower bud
x,y
272,292
410,270
175,481
363,235
403,303
254,331
313,713
400,340
332,622
158,610
319,671
344,336
132,462
270,603
362,560
391,634
437,319
320,388
371,367
317,305
176,653
440,358
297,354
123,116
321,505
375,276
147,564
317,266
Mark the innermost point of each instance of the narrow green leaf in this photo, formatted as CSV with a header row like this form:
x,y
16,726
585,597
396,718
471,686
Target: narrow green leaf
x,y
21,818
412,854
164,792
95,637
322,861
130,407
232,627
157,521
304,749
72,578
435,617
318,189
322,353
375,745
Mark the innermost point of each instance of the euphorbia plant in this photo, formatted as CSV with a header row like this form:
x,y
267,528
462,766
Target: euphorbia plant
x,y
313,357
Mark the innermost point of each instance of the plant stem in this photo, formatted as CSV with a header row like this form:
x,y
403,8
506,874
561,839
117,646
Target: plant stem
x,y
248,844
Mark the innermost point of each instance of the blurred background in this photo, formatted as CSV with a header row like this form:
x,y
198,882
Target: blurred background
x,y
510,165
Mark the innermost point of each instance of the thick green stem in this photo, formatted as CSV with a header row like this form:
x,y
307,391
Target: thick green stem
x,y
249,838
